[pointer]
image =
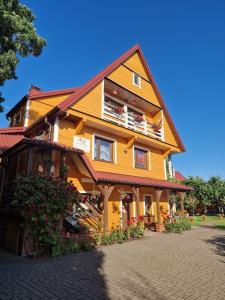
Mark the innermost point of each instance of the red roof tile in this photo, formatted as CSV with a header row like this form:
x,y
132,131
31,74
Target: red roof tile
x,y
35,93
12,130
179,176
7,141
130,179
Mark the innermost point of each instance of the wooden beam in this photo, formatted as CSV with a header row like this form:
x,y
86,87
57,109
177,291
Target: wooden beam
x,y
181,197
29,160
166,153
80,126
106,190
158,194
136,192
130,142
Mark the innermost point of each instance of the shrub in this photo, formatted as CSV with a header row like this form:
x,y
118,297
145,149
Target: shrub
x,y
118,235
178,226
44,199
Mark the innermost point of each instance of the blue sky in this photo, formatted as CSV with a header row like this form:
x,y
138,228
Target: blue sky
x,y
183,42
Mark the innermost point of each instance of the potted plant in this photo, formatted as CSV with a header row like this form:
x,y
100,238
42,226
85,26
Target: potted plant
x,y
119,110
139,118
157,126
124,196
95,195
153,113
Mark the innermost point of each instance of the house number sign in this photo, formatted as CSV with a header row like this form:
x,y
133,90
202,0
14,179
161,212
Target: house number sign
x,y
81,143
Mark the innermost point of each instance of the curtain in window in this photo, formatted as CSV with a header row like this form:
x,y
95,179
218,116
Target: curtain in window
x,y
105,150
140,158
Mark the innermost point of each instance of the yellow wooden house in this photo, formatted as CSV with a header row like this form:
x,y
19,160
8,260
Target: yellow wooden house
x,y
114,134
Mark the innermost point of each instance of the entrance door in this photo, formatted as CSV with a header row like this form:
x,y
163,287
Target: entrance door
x,y
127,210
147,205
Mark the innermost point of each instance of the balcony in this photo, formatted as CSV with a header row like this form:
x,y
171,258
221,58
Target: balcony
x,y
123,108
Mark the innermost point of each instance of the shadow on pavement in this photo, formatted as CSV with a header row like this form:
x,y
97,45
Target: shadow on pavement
x,y
219,244
76,276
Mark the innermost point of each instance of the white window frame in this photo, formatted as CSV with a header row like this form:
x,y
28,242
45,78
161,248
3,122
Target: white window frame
x,y
105,138
151,196
134,83
149,157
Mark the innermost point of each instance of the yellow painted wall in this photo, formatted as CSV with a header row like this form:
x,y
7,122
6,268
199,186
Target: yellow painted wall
x,y
124,162
124,77
91,103
168,133
134,63
42,106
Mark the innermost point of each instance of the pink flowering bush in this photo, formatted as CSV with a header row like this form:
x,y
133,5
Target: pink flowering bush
x,y
44,200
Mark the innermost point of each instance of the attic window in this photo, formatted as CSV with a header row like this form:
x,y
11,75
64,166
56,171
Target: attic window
x,y
136,80
17,118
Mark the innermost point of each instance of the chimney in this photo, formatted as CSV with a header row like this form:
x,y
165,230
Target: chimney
x,y
34,90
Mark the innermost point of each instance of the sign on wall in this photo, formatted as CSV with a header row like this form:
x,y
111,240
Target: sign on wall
x,y
81,143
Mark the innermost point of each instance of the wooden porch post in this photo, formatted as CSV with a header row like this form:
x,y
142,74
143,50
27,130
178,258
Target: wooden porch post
x,y
106,190
181,196
136,192
29,160
158,194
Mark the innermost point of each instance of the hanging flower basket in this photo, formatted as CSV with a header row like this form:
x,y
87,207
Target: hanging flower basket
x,y
157,126
95,195
139,118
119,110
85,199
124,196
153,113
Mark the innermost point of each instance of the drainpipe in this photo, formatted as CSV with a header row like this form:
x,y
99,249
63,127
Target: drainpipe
x,y
50,128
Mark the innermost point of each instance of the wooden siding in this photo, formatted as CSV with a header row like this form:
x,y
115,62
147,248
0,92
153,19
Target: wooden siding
x,y
91,103
134,63
124,77
168,134
124,163
40,107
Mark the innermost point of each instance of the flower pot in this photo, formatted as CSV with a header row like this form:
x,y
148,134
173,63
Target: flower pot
x,y
159,227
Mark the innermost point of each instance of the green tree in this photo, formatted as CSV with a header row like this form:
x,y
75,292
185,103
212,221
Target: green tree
x,y
217,192
18,38
200,194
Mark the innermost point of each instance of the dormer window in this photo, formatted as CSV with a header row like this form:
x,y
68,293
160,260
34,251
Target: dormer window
x,y
136,80
17,118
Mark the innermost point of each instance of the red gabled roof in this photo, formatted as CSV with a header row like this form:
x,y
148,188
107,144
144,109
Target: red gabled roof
x,y
108,177
36,93
12,130
179,176
72,99
7,141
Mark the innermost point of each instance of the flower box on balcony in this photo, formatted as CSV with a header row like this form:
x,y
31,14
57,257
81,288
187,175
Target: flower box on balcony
x,y
139,118
119,110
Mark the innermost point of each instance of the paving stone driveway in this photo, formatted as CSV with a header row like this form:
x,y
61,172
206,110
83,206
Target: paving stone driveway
x,y
187,266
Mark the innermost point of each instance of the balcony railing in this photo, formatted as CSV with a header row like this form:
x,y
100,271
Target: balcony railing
x,y
124,115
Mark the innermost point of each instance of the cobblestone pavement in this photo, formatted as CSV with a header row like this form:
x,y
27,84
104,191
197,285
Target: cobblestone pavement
x,y
173,266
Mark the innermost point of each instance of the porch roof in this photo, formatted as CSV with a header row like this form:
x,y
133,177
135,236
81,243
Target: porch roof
x,y
107,177
9,143
12,130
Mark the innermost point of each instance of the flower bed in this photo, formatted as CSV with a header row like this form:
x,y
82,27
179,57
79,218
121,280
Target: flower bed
x,y
178,225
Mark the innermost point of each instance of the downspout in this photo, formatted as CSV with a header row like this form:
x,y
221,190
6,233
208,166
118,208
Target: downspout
x,y
50,128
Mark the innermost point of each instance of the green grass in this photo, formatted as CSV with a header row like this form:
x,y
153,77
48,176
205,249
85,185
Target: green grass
x,y
215,221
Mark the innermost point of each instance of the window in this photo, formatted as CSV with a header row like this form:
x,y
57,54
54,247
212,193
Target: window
x,y
17,118
141,158
103,149
136,80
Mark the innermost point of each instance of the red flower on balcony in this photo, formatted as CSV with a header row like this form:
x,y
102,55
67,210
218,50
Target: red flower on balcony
x,y
139,118
119,110
157,126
